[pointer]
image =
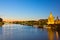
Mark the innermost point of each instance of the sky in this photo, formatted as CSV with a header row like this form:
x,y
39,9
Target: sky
x,y
28,9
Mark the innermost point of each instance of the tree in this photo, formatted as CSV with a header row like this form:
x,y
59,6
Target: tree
x,y
1,19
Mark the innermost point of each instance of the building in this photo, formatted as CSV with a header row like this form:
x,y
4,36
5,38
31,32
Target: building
x,y
51,19
57,21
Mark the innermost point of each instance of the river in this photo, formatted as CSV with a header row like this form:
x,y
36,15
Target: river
x,y
23,32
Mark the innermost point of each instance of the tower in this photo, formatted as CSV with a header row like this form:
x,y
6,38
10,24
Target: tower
x,y
51,19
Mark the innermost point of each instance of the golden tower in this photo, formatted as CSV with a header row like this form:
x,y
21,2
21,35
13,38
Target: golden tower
x,y
51,19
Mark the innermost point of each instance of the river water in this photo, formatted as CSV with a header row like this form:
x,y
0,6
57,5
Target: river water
x,y
23,32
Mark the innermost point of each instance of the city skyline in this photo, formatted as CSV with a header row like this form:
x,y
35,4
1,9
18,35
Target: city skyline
x,y
28,9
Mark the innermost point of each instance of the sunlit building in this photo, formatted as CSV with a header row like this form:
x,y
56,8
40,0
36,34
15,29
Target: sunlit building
x,y
50,19
57,21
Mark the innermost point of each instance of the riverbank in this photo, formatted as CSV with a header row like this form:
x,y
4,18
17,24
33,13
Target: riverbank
x,y
1,23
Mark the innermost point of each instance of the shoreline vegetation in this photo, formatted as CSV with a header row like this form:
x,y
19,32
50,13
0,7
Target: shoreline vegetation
x,y
38,23
1,22
42,23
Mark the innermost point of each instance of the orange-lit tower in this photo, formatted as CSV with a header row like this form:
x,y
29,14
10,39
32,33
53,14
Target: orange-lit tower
x,y
50,19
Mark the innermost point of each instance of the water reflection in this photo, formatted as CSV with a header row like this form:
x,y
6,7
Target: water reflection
x,y
1,32
20,32
53,34
58,34
7,32
50,34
